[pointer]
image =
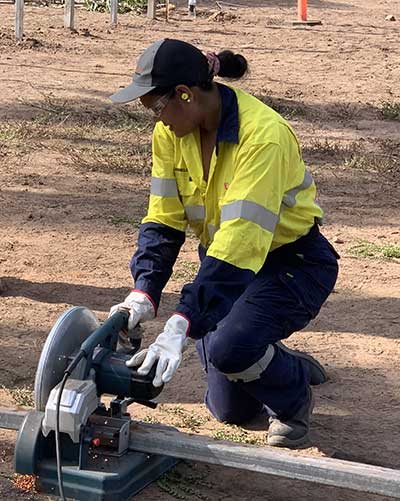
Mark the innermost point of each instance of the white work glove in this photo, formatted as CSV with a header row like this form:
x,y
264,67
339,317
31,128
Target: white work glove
x,y
167,349
140,309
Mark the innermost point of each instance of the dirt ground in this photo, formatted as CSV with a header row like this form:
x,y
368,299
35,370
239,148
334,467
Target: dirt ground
x,y
74,180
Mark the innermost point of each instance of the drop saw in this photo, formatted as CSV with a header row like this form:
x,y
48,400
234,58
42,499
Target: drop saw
x,y
76,445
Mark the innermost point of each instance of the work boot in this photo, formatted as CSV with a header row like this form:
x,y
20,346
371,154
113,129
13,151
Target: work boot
x,y
317,373
293,432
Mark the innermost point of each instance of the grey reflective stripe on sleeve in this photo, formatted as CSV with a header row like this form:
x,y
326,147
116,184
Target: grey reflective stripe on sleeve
x,y
289,198
255,371
195,212
212,230
163,187
250,211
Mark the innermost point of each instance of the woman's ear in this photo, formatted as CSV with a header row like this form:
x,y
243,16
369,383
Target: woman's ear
x,y
184,93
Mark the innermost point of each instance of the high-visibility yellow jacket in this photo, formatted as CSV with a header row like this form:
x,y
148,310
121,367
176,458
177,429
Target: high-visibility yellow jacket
x,y
258,197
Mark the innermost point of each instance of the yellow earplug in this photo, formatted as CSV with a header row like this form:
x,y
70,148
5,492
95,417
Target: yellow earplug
x,y
185,96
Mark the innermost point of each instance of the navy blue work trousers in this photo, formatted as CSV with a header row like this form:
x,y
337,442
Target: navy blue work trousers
x,y
285,295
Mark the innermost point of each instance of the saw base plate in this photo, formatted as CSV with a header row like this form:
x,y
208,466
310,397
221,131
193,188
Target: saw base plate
x,y
103,478
106,478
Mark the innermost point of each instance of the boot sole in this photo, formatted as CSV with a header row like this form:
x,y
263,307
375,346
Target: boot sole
x,y
290,444
318,374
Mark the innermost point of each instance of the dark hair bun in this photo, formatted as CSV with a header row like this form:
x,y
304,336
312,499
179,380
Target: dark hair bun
x,y
232,65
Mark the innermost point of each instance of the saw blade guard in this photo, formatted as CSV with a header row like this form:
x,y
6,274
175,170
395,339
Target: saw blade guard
x,y
68,333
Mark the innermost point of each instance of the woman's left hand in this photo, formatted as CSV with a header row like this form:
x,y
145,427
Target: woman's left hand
x,y
166,350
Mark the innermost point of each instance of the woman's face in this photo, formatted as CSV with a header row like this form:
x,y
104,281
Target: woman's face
x,y
178,111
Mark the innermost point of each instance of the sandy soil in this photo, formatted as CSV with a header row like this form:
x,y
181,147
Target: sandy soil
x,y
74,184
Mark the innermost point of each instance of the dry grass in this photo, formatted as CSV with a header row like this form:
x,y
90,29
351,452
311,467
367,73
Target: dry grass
x,y
285,107
89,136
120,158
380,156
26,483
345,112
326,149
52,110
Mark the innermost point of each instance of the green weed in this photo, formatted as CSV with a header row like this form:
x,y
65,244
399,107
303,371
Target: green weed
x,y
10,132
13,138
184,418
22,396
375,251
136,6
382,163
390,110
185,270
183,482
149,419
133,221
237,434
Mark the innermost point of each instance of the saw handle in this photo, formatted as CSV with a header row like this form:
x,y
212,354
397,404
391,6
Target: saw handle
x,y
107,334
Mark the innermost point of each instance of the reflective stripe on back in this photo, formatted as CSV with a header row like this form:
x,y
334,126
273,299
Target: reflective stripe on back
x,y
163,187
250,211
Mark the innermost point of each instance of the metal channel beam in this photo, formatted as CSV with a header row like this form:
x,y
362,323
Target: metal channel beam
x,y
165,440
158,439
11,420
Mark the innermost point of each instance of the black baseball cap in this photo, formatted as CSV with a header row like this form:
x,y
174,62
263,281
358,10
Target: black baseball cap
x,y
165,63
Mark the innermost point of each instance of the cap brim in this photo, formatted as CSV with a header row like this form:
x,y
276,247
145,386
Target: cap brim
x,y
130,93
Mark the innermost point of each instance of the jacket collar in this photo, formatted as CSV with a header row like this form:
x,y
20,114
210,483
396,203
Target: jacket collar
x,y
228,130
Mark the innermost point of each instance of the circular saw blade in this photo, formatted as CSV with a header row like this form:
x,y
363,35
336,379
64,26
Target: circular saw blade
x,y
64,339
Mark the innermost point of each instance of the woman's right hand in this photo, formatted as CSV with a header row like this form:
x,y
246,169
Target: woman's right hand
x,y
140,307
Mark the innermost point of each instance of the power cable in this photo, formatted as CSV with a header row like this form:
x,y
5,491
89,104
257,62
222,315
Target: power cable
x,y
67,373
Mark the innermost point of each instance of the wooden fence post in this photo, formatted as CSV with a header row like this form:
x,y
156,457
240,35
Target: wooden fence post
x,y
151,9
69,11
19,19
114,12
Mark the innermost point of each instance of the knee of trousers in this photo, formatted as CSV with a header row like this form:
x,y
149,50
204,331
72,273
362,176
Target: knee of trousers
x,y
239,364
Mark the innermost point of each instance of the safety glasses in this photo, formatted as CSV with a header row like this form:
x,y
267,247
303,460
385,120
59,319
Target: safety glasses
x,y
160,104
